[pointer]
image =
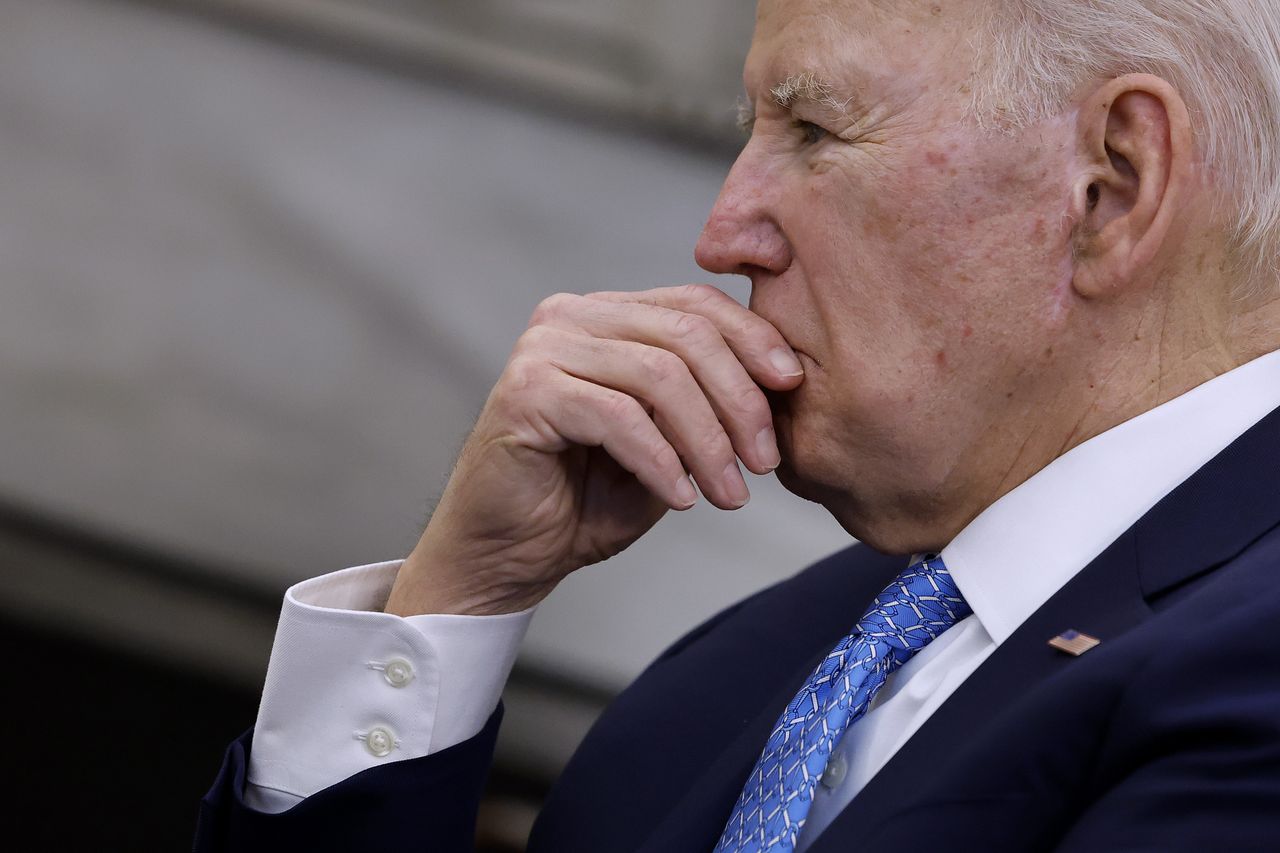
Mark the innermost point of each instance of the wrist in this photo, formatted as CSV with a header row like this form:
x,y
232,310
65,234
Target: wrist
x,y
429,584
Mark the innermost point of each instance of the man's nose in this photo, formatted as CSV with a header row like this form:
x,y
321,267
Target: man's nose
x,y
742,236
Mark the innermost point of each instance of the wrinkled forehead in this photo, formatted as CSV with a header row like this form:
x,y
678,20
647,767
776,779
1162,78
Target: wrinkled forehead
x,y
857,44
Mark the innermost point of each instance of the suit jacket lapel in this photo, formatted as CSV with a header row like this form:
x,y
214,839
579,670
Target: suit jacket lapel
x,y
696,824
1229,503
1104,600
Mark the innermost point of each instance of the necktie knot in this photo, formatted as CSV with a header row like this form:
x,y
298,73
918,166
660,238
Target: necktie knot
x,y
919,605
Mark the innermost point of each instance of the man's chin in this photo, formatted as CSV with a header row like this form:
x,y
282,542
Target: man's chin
x,y
846,508
867,520
797,484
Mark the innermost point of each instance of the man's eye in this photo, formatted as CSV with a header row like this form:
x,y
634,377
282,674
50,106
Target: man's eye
x,y
811,133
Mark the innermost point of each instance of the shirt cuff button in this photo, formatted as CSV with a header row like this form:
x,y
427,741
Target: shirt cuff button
x,y
379,742
398,673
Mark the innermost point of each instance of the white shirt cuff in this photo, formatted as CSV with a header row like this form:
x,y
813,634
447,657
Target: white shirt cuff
x,y
350,687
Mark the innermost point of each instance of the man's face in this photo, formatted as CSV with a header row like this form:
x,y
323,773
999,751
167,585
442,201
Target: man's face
x,y
921,267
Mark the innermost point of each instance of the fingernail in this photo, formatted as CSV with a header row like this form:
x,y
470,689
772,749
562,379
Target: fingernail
x,y
736,486
767,448
785,363
685,492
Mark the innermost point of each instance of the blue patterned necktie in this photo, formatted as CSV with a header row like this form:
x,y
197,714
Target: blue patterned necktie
x,y
918,606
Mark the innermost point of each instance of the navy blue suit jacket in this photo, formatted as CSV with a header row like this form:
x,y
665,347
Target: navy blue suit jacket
x,y
1166,737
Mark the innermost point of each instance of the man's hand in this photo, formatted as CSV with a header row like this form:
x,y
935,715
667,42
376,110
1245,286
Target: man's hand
x,y
607,404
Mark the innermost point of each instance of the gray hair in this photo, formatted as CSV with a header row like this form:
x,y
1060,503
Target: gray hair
x,y
1223,56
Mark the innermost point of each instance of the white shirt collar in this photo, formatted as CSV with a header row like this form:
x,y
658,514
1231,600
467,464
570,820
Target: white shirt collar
x,y
1026,546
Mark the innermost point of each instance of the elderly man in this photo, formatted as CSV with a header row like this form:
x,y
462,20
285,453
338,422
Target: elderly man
x,y
1013,321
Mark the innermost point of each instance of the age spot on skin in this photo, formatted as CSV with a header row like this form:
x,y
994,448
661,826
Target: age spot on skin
x,y
941,358
967,331
936,158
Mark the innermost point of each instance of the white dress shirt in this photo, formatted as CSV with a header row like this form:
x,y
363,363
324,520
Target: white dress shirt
x,y
350,687
331,704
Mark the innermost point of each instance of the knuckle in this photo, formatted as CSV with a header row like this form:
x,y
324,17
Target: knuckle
x,y
534,338
534,345
551,308
655,447
621,408
689,328
747,328
760,333
718,447
523,372
660,365
699,294
748,403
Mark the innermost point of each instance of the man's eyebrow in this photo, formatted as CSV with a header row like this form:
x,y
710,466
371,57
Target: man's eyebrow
x,y
807,87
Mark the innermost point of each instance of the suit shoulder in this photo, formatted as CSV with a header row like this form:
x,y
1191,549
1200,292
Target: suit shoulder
x,y
823,588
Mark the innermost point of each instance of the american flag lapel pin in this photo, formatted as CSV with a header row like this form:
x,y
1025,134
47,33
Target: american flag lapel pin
x,y
1074,643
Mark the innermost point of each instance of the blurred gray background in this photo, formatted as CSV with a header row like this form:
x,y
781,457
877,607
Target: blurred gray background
x,y
260,262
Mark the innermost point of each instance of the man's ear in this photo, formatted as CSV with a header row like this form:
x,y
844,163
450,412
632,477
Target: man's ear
x,y
1135,161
